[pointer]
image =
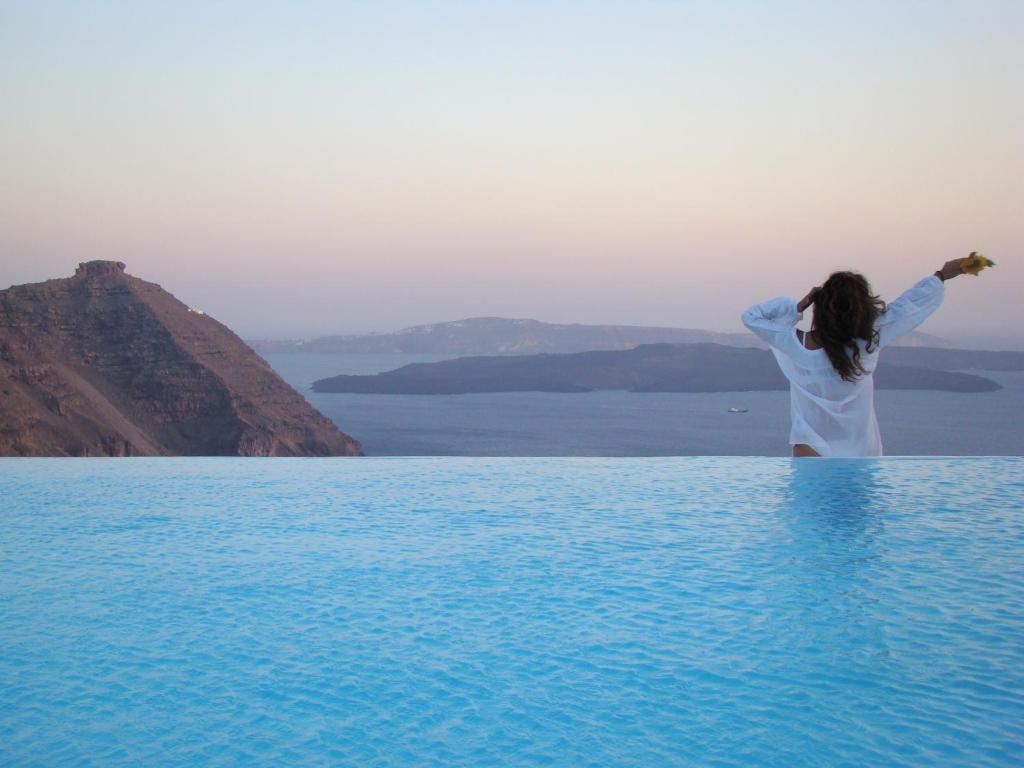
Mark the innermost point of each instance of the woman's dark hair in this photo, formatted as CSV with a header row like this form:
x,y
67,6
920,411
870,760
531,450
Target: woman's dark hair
x,y
845,311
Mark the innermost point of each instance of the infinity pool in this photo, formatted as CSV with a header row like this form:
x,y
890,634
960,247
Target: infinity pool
x,y
520,612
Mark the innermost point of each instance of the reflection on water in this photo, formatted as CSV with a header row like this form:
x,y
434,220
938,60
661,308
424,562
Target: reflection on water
x,y
838,499
835,510
832,514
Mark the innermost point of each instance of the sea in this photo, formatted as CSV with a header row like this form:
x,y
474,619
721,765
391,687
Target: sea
x,y
618,423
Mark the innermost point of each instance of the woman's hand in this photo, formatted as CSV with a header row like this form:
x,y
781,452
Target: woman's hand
x,y
952,268
807,300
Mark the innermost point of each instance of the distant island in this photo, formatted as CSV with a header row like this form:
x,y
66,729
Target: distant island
x,y
106,364
505,336
663,368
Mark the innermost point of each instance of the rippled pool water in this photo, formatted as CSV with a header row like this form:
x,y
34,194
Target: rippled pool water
x,y
472,612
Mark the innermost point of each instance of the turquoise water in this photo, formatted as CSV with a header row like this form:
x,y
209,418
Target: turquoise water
x,y
527,612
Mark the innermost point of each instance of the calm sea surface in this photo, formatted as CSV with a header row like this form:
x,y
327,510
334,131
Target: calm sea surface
x,y
502,611
638,424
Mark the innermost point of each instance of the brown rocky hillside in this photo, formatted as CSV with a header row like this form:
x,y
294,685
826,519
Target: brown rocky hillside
x,y
106,364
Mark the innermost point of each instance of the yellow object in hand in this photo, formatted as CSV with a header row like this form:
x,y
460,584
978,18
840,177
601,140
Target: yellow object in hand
x,y
974,263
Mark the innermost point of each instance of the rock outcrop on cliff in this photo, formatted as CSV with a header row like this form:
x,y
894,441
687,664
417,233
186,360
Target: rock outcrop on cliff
x,y
106,364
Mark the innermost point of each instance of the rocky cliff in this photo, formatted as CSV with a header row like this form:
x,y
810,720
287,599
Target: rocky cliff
x,y
106,364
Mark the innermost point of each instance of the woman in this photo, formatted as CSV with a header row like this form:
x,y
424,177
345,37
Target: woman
x,y
830,367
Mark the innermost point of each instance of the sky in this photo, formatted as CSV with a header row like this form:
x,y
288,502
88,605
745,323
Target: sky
x,y
302,168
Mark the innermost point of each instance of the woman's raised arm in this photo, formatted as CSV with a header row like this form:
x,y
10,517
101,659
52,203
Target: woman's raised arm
x,y
915,305
773,318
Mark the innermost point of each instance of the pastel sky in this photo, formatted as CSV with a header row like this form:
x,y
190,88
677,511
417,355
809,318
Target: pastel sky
x,y
300,168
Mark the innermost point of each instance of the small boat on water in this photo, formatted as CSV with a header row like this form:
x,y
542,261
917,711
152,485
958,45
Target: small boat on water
x,y
738,410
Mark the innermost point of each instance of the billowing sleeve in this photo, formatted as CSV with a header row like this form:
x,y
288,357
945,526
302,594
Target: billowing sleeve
x,y
773,320
910,310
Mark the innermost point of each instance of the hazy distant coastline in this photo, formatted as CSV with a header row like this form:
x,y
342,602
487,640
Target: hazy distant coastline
x,y
507,336
663,368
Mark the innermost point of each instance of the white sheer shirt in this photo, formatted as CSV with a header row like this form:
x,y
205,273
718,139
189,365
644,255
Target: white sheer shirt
x,y
832,416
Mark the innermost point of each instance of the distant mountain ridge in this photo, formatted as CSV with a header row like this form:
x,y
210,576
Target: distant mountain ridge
x,y
106,364
506,336
657,368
